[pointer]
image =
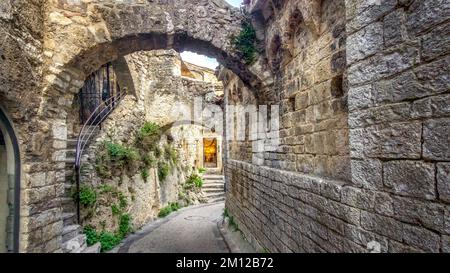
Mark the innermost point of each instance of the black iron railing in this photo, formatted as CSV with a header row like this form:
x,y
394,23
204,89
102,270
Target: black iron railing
x,y
93,122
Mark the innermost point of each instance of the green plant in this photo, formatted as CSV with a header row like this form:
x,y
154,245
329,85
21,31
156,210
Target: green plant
x,y
120,153
105,188
225,213
145,174
201,170
163,171
115,209
150,129
123,203
170,154
245,43
148,136
157,151
194,180
87,196
92,236
149,160
108,241
233,223
124,225
172,207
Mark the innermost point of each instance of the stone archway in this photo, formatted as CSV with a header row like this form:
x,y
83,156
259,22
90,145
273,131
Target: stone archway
x,y
9,186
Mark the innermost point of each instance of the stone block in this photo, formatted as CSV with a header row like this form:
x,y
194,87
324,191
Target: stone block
x,y
382,225
410,178
436,43
394,29
416,212
443,181
395,140
381,66
426,14
365,42
367,173
436,137
421,238
359,198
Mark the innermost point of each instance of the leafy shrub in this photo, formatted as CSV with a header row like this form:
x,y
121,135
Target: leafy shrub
x,y
157,152
170,154
194,180
92,236
87,195
201,170
121,154
145,174
113,159
172,207
149,160
163,171
148,136
115,209
124,225
245,42
108,241
123,203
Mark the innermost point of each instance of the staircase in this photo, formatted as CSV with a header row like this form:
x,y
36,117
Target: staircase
x,y
214,187
73,239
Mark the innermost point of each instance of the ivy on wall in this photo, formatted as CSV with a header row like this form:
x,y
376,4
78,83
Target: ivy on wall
x,y
245,43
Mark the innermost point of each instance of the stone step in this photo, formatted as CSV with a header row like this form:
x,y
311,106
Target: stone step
x,y
213,177
213,190
215,195
221,199
70,232
75,245
213,186
69,218
68,205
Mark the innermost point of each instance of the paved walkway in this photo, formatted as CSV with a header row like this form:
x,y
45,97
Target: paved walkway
x,y
190,230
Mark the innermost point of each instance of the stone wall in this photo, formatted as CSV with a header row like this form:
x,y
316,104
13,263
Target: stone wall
x,y
159,94
365,131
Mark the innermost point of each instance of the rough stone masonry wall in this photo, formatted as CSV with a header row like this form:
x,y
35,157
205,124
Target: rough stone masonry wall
x,y
21,61
397,58
159,93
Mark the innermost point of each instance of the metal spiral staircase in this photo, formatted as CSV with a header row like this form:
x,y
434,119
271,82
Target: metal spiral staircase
x,y
73,239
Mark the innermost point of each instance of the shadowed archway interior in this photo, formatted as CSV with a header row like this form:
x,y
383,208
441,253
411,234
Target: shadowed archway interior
x,y
9,187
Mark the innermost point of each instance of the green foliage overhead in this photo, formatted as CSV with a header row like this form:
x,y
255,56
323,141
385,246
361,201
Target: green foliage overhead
x,y
245,43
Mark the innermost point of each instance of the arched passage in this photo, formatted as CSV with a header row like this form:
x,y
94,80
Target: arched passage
x,y
9,186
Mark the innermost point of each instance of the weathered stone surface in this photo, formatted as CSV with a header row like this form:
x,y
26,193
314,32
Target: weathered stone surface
x,y
426,14
443,181
394,29
396,140
436,136
382,225
365,42
410,178
421,238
